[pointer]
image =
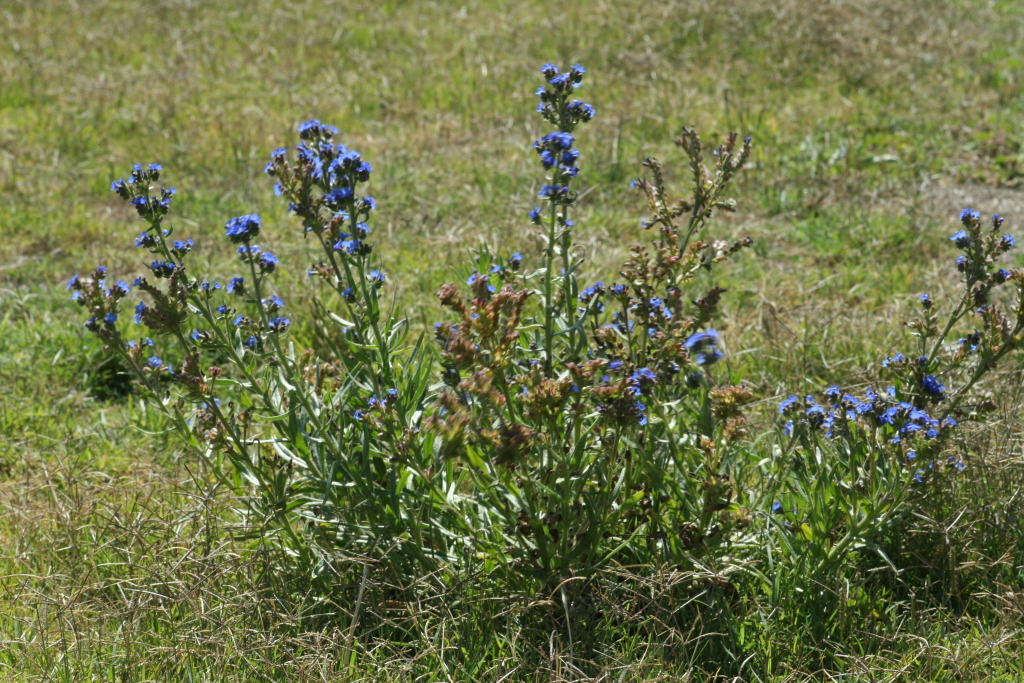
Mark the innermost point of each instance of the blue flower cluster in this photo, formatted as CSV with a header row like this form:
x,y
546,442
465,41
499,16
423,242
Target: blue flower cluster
x,y
136,191
592,293
981,248
901,421
326,176
243,229
376,406
556,150
555,104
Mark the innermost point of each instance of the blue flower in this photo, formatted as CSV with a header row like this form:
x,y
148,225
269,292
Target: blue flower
x,y
335,198
354,247
926,300
580,110
549,70
313,129
119,187
961,239
274,302
1007,243
968,215
643,378
208,286
162,268
1002,275
535,215
559,139
815,414
703,347
934,387
223,309
268,262
154,362
898,358
110,318
140,310
120,289
515,260
236,285
777,508
376,277
590,292
552,191
279,323
920,416
182,246
243,228
788,404
641,408
147,240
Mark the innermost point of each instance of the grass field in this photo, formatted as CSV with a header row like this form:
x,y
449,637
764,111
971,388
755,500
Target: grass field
x,y
874,122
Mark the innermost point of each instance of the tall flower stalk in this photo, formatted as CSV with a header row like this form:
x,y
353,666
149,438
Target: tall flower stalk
x,y
559,157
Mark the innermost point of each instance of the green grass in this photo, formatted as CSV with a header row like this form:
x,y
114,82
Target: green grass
x,y
115,559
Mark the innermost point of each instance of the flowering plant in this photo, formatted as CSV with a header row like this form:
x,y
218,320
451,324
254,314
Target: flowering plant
x,y
571,427
593,423
857,466
326,447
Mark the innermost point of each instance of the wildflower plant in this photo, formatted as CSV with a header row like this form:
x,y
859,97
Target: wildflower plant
x,y
859,464
593,421
565,428
324,447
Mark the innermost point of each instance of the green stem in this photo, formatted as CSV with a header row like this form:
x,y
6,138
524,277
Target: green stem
x,y
549,303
